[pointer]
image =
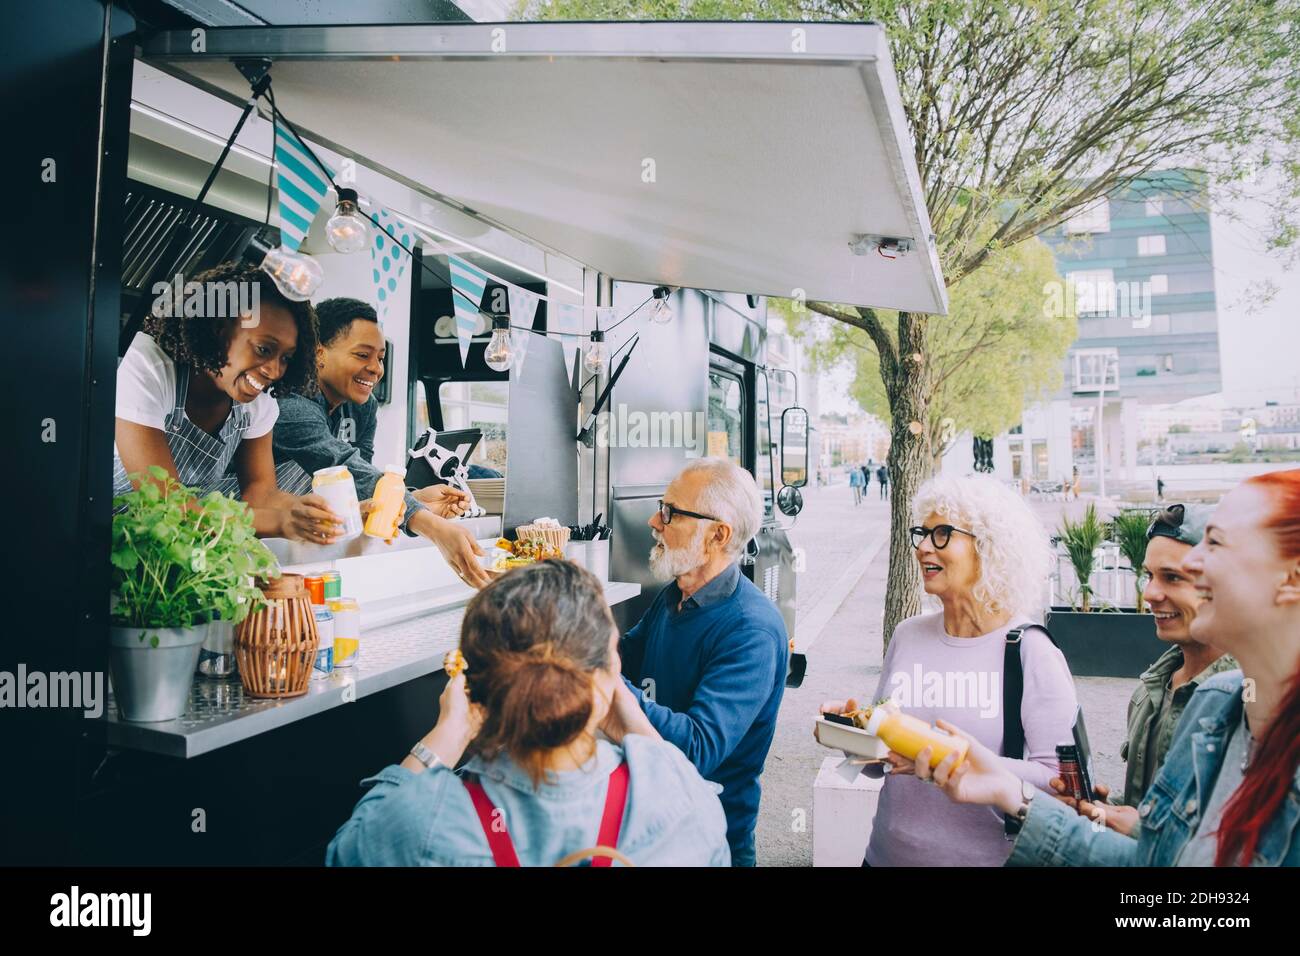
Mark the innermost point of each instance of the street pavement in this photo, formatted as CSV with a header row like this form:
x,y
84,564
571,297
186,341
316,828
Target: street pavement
x,y
838,538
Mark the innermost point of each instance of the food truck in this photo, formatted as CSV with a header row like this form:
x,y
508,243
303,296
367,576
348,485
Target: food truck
x,y
653,182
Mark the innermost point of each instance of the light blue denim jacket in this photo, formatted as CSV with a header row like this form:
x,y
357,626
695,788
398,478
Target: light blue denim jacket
x,y
672,818
1054,835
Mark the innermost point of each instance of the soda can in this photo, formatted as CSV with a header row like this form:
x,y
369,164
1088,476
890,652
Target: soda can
x,y
315,588
323,666
347,631
337,487
333,584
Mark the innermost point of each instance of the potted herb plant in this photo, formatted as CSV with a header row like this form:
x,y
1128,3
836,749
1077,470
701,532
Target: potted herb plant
x,y
178,559
1103,641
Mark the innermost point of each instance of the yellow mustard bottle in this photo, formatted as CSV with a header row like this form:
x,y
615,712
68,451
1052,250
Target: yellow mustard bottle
x,y
388,496
909,735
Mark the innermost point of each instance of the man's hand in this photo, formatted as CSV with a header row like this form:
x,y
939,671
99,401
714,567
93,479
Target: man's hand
x,y
309,518
368,506
443,500
1117,817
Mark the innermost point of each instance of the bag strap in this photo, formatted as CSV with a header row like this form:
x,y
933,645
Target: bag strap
x,y
499,842
611,820
1013,692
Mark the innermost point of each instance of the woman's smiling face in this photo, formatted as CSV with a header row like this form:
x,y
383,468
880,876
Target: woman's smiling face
x,y
352,364
258,356
1237,569
953,569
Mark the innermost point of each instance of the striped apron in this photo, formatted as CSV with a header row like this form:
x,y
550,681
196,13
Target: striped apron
x,y
201,459
289,477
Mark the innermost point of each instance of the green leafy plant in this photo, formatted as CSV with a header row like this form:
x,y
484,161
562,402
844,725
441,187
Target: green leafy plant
x,y
178,558
1082,539
1128,529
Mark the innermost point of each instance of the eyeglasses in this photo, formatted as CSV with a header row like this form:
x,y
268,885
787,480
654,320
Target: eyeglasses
x,y
666,512
939,534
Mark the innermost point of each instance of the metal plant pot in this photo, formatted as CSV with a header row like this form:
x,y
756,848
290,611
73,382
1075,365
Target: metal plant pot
x,y
152,669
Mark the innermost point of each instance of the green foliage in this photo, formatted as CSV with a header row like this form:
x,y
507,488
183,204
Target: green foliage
x,y
1128,529
177,560
998,349
1081,539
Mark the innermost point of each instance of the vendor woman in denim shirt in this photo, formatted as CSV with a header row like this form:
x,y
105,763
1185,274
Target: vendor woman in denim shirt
x,y
1229,791
542,671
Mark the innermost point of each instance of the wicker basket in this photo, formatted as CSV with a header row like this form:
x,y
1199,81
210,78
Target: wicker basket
x,y
554,538
276,646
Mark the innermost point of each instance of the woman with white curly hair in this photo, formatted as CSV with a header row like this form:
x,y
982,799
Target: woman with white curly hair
x,y
986,558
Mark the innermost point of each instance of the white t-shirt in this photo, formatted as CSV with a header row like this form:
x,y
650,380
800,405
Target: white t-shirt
x,y
146,390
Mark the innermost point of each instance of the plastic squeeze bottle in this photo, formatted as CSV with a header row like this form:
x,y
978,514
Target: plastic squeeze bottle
x,y
389,494
909,735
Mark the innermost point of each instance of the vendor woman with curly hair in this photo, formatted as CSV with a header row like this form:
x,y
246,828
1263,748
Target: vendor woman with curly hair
x,y
195,393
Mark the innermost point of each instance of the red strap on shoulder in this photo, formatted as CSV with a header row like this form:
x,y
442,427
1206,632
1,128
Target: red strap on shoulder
x,y
499,842
612,819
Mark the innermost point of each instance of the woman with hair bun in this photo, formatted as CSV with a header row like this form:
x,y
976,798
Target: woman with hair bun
x,y
541,679
986,559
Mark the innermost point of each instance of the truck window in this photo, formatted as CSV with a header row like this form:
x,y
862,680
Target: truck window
x,y
726,417
481,405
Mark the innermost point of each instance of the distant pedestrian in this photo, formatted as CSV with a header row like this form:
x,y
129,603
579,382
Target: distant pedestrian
x,y
1160,488
855,482
866,477
882,478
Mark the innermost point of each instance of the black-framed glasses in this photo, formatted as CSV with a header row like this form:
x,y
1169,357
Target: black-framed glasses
x,y
940,534
666,512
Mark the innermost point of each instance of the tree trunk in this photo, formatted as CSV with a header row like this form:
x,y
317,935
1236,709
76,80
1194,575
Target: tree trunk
x,y
910,463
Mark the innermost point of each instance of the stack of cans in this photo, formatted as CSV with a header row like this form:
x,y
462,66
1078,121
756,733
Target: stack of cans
x,y
322,586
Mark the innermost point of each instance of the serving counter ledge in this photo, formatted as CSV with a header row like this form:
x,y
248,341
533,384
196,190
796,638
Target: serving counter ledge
x,y
410,642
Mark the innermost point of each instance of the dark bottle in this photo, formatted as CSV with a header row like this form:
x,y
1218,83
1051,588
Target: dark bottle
x,y
1067,757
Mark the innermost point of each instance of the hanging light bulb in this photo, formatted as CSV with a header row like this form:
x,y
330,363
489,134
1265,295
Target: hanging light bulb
x,y
498,355
296,274
347,230
597,353
661,312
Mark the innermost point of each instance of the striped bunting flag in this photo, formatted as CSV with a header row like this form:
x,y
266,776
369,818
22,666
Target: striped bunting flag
x,y
302,186
467,285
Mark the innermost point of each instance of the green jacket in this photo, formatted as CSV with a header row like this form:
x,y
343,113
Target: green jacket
x,y
1148,741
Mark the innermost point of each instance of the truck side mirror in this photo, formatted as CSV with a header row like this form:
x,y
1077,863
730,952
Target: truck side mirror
x,y
789,501
794,447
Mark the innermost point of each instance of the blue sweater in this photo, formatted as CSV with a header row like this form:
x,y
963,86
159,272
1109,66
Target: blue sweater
x,y
718,670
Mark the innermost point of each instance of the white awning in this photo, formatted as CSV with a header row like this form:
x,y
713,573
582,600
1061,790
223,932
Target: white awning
x,y
737,157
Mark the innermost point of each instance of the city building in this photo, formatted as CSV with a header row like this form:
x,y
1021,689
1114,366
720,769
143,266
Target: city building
x,y
1138,271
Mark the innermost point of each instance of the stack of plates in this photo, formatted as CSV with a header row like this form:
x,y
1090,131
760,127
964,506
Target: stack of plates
x,y
490,493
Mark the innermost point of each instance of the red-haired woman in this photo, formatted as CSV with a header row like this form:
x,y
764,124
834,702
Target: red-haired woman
x,y
1229,791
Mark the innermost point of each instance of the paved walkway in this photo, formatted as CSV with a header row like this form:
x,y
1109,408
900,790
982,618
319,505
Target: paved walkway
x,y
845,661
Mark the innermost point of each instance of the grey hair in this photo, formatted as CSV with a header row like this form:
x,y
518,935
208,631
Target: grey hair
x,y
732,495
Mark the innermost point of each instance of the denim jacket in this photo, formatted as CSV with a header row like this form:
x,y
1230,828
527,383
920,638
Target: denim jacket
x,y
673,816
1054,835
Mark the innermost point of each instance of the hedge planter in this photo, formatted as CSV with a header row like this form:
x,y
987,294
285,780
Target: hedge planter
x,y
1106,643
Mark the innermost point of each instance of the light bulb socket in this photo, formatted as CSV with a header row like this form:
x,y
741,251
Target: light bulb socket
x,y
597,335
500,322
255,252
347,195
662,292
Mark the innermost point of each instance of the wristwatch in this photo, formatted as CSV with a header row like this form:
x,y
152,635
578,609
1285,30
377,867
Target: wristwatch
x,y
426,756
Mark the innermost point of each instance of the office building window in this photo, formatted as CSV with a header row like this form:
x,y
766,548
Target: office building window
x,y
1151,245
1094,291
1160,284
1155,207
1040,460
1095,217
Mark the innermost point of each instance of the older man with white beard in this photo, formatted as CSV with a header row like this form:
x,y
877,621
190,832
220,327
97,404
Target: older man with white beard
x,y
711,652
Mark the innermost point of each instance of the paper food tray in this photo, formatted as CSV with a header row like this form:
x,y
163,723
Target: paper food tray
x,y
850,740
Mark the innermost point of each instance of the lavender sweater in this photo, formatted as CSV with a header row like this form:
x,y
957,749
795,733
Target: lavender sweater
x,y
959,679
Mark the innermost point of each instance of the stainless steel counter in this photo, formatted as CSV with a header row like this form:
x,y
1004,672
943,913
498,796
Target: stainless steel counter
x,y
290,553
391,654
